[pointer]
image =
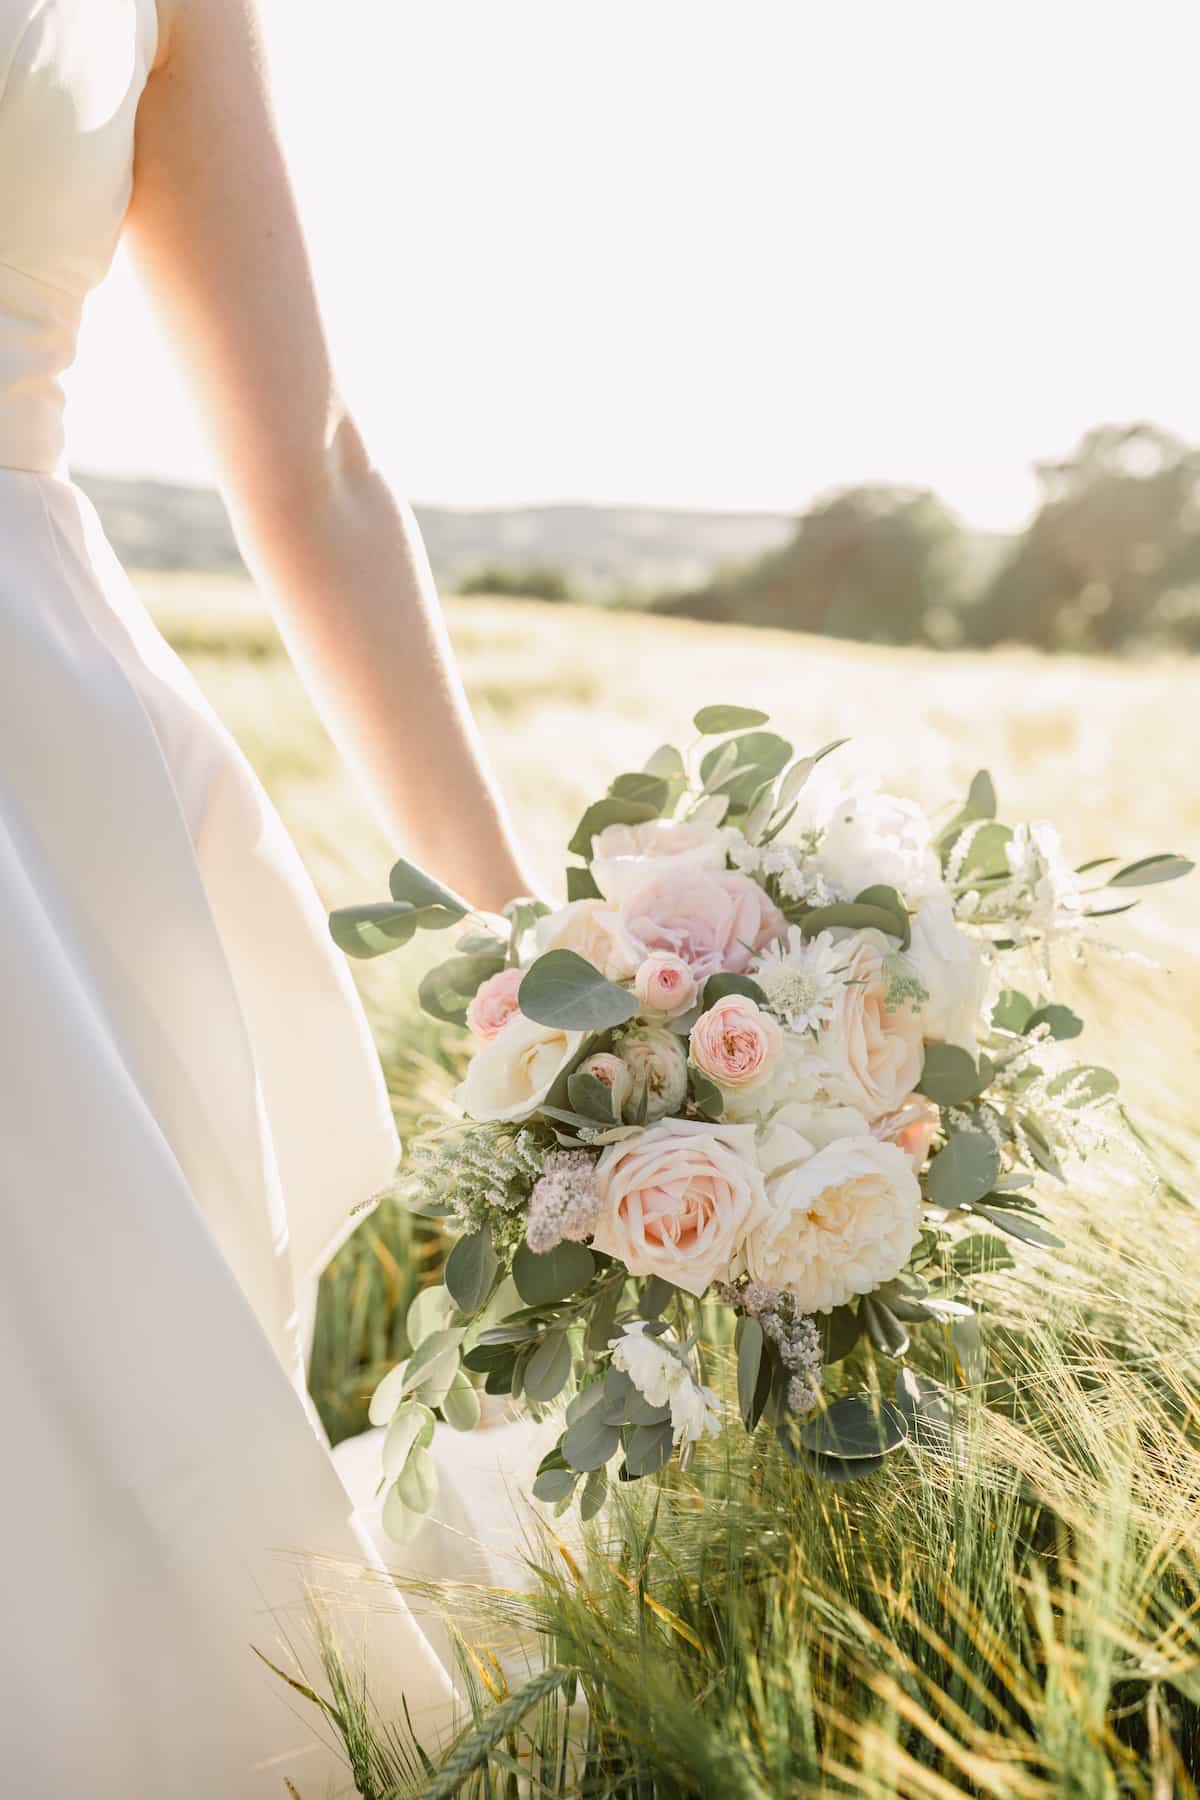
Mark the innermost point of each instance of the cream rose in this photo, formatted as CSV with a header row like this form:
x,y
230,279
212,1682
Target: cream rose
x,y
843,1219
735,1043
679,1200
953,972
626,857
872,1054
711,920
514,1071
664,984
494,1003
593,930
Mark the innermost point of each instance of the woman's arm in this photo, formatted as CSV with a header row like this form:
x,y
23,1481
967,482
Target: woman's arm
x,y
215,233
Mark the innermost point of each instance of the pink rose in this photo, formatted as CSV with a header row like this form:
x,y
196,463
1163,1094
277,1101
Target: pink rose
x,y
914,1128
664,984
735,1043
494,1003
711,919
626,857
679,1200
873,1053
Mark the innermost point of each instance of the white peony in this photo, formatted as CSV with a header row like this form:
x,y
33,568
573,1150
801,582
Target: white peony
x,y
952,971
873,840
843,1219
512,1074
625,858
593,930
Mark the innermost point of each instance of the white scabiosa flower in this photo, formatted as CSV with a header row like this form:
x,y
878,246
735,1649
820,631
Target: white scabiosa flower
x,y
802,978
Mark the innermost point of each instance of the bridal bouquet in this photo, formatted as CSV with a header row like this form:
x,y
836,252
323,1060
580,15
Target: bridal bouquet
x,y
789,1049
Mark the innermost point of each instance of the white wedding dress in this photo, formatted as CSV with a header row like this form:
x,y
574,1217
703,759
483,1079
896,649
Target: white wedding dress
x,y
190,1101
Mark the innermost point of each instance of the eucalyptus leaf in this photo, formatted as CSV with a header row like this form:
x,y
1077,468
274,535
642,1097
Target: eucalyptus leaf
x,y
372,930
964,1170
407,882
471,1268
981,1253
834,1468
949,1076
435,1356
1163,867
431,1311
554,1485
446,991
889,901
648,1450
718,986
861,1425
656,1296
595,1492
590,1443
1063,1023
651,790
581,884
882,1326
1012,1011
758,757
667,763
461,1409
839,1330
986,856
400,1523
706,1093
847,913
600,1328
549,1368
969,1349
417,1483
412,1426
714,721
1084,1084
639,1411
565,991
592,1098
750,1341
1019,1225
387,1396
553,1275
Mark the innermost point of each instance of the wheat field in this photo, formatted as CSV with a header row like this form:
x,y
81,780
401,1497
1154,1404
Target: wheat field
x,y
1024,1627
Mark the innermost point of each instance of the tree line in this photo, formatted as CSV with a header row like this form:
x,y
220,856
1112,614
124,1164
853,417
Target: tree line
x,y
1110,562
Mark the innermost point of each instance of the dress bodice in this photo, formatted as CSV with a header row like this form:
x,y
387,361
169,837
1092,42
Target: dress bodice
x,y
71,75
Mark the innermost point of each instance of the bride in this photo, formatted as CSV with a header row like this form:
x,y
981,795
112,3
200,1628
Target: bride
x,y
190,1102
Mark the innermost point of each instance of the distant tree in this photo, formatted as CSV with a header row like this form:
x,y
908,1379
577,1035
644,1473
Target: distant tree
x,y
539,581
1112,557
884,564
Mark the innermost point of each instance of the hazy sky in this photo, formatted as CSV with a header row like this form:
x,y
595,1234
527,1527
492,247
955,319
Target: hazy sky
x,y
722,252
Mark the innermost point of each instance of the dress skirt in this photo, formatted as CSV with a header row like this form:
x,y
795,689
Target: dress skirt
x,y
191,1108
